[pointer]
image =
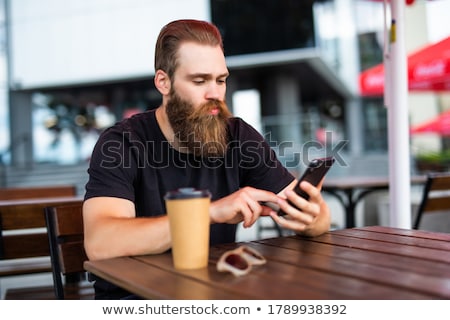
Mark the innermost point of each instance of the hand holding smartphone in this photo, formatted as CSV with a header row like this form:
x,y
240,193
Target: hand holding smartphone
x,y
314,173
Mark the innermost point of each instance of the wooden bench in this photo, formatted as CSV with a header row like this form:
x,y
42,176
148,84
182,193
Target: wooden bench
x,y
24,247
17,193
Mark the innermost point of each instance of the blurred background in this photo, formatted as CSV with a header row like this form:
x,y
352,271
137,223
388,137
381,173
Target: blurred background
x,y
69,69
304,73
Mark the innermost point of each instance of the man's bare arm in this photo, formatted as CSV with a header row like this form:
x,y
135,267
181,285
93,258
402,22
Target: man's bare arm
x,y
112,229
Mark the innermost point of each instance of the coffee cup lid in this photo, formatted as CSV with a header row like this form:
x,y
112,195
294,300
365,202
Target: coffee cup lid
x,y
186,193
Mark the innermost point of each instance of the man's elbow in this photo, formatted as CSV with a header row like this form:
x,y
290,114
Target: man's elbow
x,y
94,251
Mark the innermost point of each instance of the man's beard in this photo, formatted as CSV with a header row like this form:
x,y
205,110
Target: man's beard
x,y
199,131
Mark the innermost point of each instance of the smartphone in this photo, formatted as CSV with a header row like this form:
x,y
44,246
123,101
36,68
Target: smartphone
x,y
314,173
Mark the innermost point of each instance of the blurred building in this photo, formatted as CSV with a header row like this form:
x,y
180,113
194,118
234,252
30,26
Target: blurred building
x,y
72,68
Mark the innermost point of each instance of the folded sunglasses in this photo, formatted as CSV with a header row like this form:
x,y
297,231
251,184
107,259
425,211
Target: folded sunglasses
x,y
239,261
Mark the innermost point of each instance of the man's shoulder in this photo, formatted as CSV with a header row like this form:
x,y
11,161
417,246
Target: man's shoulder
x,y
136,124
143,118
238,123
239,127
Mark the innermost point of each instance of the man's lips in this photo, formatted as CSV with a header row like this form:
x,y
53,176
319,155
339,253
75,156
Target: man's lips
x,y
214,111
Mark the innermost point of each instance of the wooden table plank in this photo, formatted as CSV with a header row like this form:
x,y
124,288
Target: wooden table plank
x,y
354,263
429,235
385,247
439,244
288,280
356,254
249,286
151,282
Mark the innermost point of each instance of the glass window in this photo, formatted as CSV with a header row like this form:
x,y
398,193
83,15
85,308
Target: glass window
x,y
375,125
253,26
370,51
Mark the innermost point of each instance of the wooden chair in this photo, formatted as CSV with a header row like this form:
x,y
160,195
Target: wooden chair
x,y
436,196
65,234
24,246
17,244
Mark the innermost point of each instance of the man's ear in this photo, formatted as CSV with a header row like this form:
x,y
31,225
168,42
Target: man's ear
x,y
162,82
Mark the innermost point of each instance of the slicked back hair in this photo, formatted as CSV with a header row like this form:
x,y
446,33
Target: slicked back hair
x,y
177,32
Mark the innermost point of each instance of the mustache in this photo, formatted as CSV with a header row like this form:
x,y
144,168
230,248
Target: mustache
x,y
205,109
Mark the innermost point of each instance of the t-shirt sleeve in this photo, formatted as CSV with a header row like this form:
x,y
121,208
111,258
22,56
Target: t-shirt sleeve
x,y
112,167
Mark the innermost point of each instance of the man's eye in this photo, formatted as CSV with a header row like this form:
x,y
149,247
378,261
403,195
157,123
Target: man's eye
x,y
199,81
221,81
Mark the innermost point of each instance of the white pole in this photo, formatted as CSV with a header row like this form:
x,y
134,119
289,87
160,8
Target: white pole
x,y
398,132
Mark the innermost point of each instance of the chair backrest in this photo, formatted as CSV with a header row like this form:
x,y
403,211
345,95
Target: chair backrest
x,y
23,235
37,192
20,217
436,196
18,243
65,235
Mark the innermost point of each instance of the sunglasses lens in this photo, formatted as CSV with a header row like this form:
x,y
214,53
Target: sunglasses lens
x,y
237,261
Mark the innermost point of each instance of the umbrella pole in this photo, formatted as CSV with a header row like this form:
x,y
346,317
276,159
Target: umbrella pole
x,y
398,133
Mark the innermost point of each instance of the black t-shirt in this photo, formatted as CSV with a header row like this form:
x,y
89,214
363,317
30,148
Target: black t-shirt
x,y
133,160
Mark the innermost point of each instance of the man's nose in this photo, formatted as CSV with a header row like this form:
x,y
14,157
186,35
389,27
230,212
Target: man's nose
x,y
214,92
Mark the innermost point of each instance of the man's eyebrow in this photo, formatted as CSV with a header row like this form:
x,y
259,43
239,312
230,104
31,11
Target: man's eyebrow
x,y
207,75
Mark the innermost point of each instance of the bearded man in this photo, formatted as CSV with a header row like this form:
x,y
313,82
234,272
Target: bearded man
x,y
191,140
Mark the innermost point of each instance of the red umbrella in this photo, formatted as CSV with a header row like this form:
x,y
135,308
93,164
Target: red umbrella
x,y
428,70
439,125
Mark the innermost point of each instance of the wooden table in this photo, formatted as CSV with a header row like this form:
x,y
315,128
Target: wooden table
x,y
351,190
361,263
